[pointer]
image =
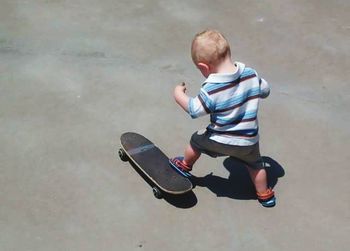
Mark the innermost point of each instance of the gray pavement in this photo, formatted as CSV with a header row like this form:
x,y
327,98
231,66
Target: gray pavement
x,y
75,75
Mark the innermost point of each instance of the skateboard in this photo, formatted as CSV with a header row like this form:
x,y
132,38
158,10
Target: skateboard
x,y
154,164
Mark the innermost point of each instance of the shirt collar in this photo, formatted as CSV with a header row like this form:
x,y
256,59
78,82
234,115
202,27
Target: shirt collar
x,y
225,77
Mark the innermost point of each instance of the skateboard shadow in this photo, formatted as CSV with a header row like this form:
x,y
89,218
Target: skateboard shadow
x,y
184,201
239,185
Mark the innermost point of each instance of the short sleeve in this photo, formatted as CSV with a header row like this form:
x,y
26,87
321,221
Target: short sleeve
x,y
200,105
264,88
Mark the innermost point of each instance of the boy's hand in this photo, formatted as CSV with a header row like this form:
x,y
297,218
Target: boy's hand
x,y
181,88
180,96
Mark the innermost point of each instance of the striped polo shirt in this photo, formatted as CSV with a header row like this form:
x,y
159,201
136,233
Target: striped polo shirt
x,y
232,100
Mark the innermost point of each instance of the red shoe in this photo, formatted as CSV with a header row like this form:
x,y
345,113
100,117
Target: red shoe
x,y
178,164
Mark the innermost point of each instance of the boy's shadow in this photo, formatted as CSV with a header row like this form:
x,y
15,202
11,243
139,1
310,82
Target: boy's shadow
x,y
239,185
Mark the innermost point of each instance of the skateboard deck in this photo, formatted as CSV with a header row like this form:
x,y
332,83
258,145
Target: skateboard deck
x,y
154,164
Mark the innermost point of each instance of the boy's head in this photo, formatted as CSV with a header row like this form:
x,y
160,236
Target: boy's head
x,y
209,49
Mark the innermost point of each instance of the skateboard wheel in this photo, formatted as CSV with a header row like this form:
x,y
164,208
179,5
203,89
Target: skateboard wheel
x,y
122,155
157,193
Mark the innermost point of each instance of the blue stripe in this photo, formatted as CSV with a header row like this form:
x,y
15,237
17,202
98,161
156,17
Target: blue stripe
x,y
247,71
190,109
207,101
238,99
214,86
245,115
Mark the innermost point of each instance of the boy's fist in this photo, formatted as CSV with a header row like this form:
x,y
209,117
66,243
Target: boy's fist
x,y
181,97
180,88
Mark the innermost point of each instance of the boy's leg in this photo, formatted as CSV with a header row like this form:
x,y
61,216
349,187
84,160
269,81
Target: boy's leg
x,y
184,164
265,195
191,155
259,179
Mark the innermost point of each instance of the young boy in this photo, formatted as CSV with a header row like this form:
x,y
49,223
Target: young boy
x,y
230,94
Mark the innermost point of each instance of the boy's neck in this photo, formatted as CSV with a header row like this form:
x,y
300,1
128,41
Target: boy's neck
x,y
226,66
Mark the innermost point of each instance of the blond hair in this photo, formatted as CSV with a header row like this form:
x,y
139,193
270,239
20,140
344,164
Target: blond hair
x,y
209,47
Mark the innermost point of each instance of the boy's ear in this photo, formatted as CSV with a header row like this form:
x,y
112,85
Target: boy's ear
x,y
204,68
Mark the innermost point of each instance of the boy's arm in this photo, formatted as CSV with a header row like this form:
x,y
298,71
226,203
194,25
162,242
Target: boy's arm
x,y
196,107
181,97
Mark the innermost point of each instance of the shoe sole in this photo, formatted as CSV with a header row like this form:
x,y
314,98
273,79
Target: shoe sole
x,y
270,203
185,174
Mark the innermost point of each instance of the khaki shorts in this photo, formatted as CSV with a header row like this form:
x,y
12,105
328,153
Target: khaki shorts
x,y
248,154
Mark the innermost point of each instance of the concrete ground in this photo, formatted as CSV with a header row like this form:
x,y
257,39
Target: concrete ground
x,y
75,75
